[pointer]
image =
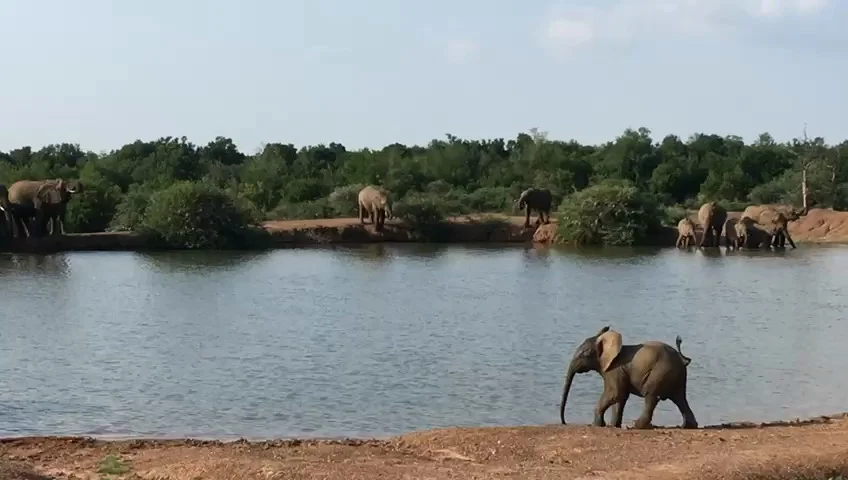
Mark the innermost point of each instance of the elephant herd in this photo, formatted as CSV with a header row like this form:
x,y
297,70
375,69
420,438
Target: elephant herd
x,y
29,206
759,226
375,202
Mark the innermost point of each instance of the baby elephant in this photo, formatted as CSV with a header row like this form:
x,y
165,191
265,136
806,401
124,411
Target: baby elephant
x,y
652,370
685,233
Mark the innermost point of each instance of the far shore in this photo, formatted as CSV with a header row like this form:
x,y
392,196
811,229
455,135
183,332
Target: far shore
x,y
820,226
813,448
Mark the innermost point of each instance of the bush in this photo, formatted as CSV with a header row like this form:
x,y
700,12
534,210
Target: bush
x,y
674,214
129,214
609,213
345,200
93,209
196,215
419,209
303,211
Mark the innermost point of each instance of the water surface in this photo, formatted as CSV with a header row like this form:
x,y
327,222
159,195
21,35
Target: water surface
x,y
380,340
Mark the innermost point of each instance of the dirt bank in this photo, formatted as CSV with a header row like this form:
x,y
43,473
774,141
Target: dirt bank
x,y
819,226
544,452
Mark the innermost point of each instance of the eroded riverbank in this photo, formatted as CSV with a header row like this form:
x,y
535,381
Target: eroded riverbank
x,y
819,226
780,450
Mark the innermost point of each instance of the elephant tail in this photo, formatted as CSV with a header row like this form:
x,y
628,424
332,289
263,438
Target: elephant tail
x,y
686,360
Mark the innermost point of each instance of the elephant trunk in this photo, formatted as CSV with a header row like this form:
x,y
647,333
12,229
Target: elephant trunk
x,y
568,379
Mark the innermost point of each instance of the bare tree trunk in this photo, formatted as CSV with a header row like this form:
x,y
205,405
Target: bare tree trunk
x,y
804,186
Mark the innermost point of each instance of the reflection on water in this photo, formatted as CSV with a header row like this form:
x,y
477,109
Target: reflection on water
x,y
382,339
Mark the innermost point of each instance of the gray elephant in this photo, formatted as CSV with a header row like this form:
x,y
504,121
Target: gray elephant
x,y
730,233
539,199
772,230
685,233
6,207
711,216
376,203
774,219
652,370
43,201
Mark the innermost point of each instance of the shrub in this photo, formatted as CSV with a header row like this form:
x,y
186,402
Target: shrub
x,y
609,213
129,214
93,209
196,215
419,209
673,214
345,200
303,211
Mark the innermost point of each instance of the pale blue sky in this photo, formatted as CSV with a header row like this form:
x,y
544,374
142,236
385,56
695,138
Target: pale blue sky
x,y
103,73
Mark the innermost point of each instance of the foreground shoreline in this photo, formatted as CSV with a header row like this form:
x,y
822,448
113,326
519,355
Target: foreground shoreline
x,y
779,450
820,226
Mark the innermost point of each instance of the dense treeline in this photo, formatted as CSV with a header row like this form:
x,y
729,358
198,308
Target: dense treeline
x,y
449,176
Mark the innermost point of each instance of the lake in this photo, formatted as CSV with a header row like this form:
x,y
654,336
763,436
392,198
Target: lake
x,y
385,339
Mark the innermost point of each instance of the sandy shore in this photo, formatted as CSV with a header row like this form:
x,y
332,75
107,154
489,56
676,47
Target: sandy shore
x,y
782,450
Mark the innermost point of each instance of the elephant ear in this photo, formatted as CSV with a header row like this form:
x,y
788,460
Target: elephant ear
x,y
608,345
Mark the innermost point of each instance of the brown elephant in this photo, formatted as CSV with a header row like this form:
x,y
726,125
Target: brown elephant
x,y
11,224
45,201
539,199
771,230
376,203
711,216
652,370
685,233
730,233
774,219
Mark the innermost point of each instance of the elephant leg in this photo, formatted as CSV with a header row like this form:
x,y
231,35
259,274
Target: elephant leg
x,y
618,411
789,239
679,241
683,405
704,237
527,217
547,217
361,211
606,401
372,216
644,420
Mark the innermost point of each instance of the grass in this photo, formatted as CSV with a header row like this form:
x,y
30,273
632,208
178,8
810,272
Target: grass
x,y
112,465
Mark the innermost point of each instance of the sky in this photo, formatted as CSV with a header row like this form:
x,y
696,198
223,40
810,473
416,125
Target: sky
x,y
368,73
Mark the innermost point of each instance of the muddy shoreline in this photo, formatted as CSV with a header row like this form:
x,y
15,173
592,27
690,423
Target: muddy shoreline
x,y
820,226
778,450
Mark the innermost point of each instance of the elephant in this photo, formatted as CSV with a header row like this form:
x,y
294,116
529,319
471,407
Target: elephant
x,y
685,233
772,230
774,219
376,203
711,216
730,233
652,370
44,201
11,224
539,199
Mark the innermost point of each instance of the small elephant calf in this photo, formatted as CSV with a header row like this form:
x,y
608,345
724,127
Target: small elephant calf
x,y
652,370
685,233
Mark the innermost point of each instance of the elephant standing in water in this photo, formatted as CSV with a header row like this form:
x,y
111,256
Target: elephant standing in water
x,y
711,216
44,201
771,231
539,199
774,221
11,224
685,233
652,370
376,203
730,233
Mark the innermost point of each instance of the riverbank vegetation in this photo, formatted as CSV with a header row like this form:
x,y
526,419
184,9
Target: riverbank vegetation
x,y
617,192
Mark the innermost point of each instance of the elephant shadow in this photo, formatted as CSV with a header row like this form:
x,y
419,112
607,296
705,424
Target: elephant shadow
x,y
54,264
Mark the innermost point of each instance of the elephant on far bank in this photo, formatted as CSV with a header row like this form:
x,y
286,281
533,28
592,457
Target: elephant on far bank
x,y
685,233
652,370
376,203
538,199
43,201
711,216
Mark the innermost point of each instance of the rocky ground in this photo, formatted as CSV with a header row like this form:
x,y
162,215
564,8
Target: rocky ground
x,y
812,449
